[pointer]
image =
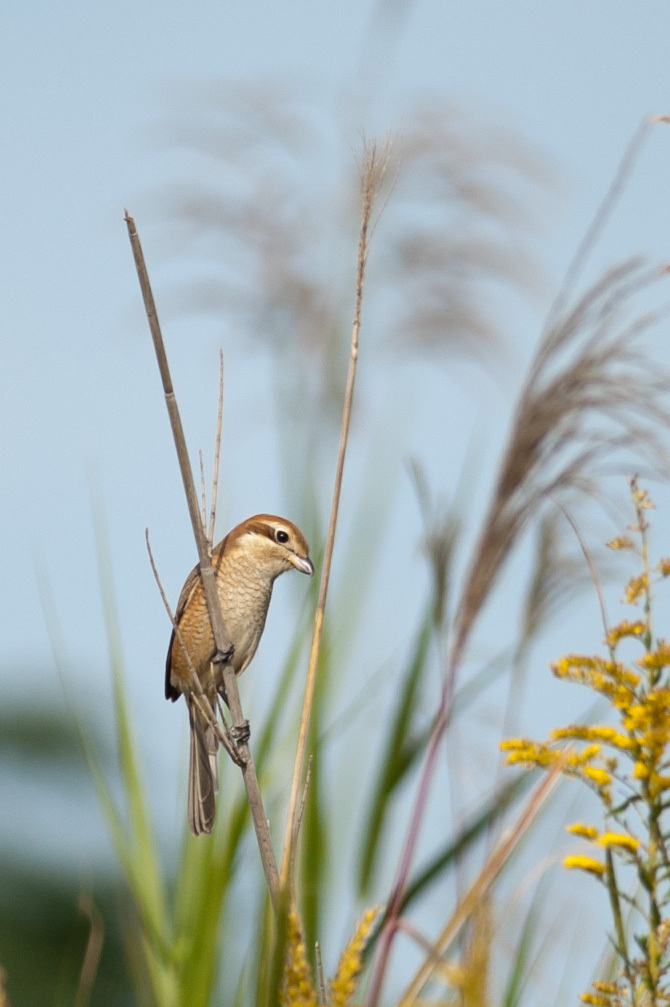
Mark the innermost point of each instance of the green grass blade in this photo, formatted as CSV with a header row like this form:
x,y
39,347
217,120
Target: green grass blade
x,y
468,835
142,858
398,755
524,945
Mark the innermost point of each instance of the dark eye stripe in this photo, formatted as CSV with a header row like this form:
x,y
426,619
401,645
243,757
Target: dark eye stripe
x,y
267,530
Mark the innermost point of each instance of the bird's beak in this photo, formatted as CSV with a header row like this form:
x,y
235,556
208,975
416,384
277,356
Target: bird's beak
x,y
302,563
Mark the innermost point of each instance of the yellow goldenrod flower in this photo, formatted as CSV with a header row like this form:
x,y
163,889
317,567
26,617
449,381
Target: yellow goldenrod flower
x,y
343,983
601,778
641,497
581,758
508,744
660,783
620,840
529,753
663,935
636,716
596,999
593,732
639,691
605,987
658,658
621,542
624,629
582,863
607,677
585,831
635,588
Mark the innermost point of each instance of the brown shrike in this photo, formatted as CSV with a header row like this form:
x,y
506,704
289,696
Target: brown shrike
x,y
246,564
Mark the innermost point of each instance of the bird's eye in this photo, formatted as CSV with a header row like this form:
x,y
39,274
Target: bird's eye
x,y
281,536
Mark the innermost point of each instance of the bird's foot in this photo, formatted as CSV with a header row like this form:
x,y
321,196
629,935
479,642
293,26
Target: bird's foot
x,y
241,734
224,656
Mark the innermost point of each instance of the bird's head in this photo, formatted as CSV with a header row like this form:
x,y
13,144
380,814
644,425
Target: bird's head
x,y
273,544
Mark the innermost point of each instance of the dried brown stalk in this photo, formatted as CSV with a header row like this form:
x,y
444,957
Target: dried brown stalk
x,y
375,164
221,639
217,456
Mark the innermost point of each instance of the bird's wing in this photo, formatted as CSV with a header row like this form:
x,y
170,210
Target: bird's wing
x,y
189,587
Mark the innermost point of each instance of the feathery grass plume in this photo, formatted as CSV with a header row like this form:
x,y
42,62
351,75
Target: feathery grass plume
x,y
271,206
628,766
590,394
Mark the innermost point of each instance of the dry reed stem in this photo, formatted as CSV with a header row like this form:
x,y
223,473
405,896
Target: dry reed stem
x,y
203,496
482,884
217,455
303,802
221,638
593,573
594,230
373,171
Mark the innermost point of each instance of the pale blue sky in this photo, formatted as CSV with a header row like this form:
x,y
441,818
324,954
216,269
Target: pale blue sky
x,y
85,92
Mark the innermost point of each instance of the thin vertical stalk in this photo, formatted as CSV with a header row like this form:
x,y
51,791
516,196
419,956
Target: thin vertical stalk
x,y
219,632
373,171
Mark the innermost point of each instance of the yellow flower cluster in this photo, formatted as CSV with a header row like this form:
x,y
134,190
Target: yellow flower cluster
x,y
533,754
582,863
639,696
523,751
624,629
621,840
648,723
593,732
343,983
621,542
656,659
606,994
298,989
635,588
585,831
610,678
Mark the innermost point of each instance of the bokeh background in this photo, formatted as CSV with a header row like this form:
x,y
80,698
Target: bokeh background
x,y
234,135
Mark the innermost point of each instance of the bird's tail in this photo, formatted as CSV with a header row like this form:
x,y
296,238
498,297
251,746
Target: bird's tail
x,y
203,774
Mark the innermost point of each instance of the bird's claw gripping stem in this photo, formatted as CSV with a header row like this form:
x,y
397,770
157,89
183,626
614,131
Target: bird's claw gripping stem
x,y
224,656
241,733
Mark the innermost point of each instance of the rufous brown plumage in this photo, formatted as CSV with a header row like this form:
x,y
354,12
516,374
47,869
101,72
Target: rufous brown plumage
x,y
246,564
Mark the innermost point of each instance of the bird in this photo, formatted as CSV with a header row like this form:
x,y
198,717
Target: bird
x,y
246,564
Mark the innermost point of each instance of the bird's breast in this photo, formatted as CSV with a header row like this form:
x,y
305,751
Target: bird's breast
x,y
245,597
